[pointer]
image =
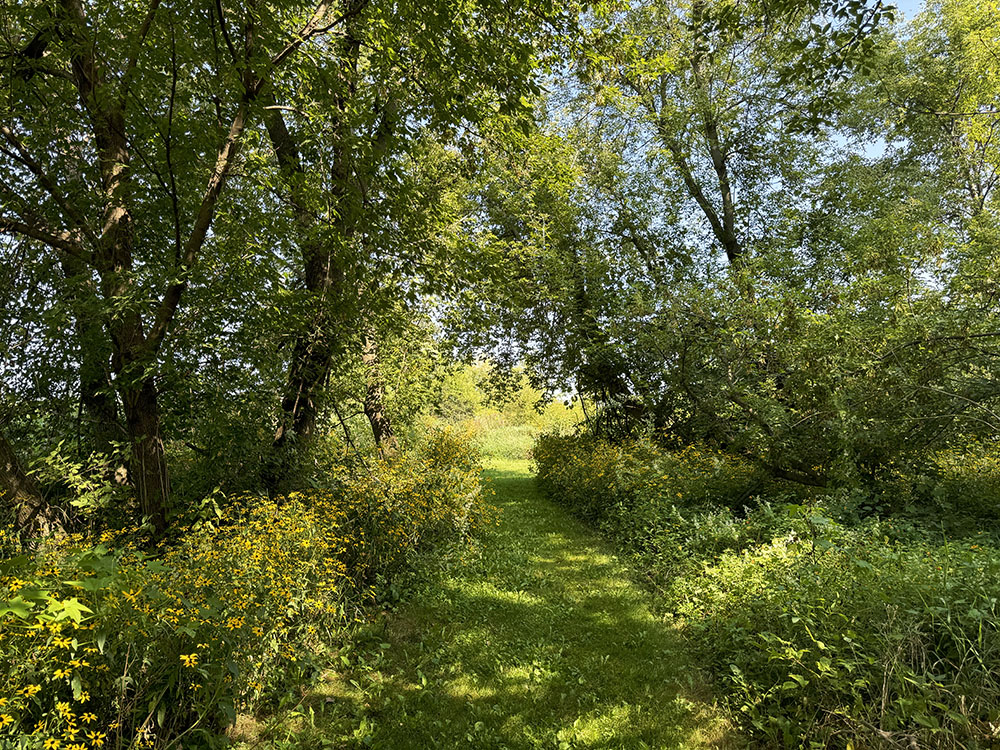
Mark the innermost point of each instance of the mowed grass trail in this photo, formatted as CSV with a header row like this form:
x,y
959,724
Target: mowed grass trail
x,y
540,640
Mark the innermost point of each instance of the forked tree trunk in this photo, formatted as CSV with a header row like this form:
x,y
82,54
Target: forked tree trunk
x,y
312,353
132,354
105,99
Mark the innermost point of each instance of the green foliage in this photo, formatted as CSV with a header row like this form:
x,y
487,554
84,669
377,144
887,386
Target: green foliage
x,y
826,626
864,638
684,255
674,509
237,240
102,641
537,637
501,409
86,486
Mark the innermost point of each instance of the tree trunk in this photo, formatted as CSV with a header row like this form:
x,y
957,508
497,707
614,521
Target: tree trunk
x,y
323,274
19,491
97,400
132,355
149,463
132,361
324,267
374,404
308,371
312,354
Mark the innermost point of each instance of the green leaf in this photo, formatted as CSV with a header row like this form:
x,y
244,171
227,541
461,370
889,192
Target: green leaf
x,y
17,607
15,563
71,608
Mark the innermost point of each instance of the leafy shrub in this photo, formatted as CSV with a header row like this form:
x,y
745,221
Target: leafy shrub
x,y
879,643
102,644
828,627
511,442
962,483
667,506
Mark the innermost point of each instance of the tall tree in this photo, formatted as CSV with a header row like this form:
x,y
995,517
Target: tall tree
x,y
143,154
341,137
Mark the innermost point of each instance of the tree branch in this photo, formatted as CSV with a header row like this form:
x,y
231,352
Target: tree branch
x,y
227,153
32,165
63,241
313,28
225,31
226,156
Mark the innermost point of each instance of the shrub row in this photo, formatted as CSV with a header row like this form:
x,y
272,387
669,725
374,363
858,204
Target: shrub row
x,y
103,644
824,627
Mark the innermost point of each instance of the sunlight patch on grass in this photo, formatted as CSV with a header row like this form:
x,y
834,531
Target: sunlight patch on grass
x,y
539,640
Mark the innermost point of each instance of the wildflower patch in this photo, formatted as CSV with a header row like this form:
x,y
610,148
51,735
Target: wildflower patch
x,y
105,644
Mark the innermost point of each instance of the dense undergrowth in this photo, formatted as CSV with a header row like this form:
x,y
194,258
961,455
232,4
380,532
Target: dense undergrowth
x,y
104,643
832,618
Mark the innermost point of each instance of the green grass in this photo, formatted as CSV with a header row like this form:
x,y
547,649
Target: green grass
x,y
508,442
538,639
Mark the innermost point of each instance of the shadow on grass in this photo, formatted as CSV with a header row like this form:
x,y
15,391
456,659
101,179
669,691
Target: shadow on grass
x,y
541,640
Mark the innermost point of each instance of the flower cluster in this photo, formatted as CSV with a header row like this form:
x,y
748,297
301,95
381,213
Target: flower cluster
x,y
102,642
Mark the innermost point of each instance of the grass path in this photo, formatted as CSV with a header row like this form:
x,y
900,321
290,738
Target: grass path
x,y
541,640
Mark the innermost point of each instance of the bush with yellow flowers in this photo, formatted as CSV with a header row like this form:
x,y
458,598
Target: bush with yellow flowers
x,y
103,644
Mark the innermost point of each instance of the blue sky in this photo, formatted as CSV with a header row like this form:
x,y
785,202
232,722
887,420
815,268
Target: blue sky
x,y
908,8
